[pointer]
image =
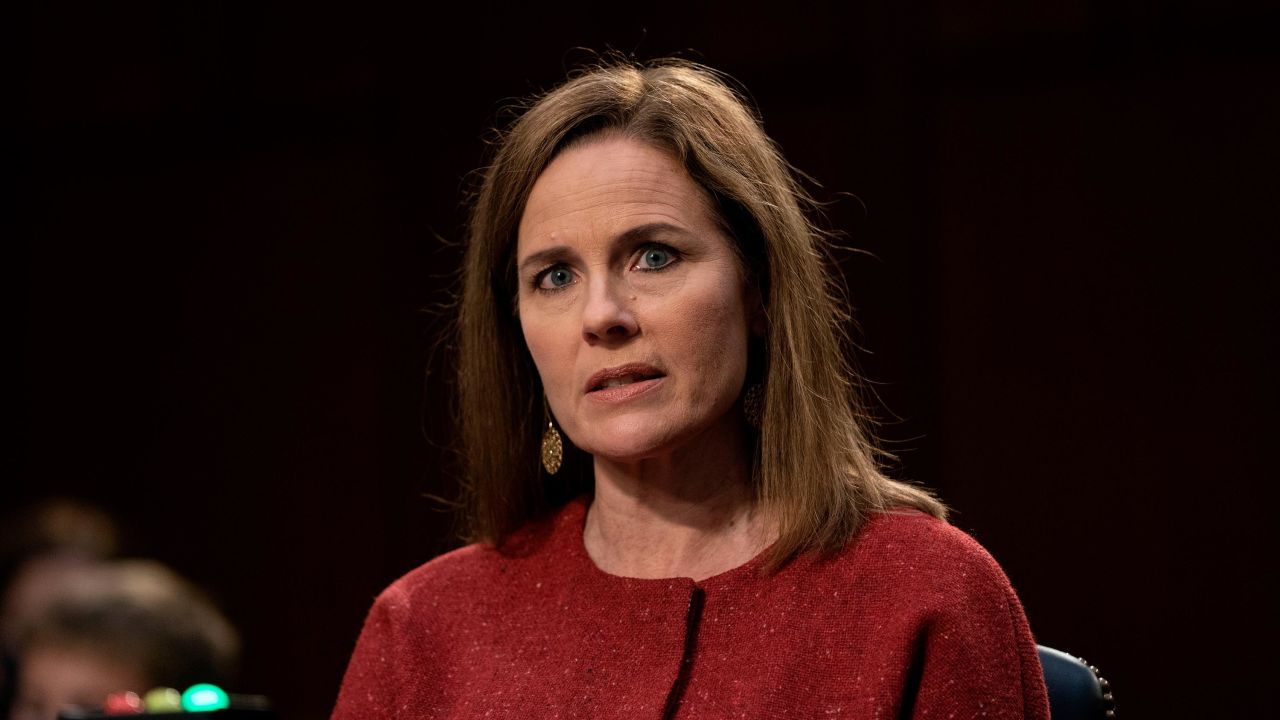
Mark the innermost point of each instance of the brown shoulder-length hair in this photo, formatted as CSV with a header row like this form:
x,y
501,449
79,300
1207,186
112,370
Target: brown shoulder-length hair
x,y
817,468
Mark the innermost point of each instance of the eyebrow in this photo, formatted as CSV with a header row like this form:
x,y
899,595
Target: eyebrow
x,y
631,236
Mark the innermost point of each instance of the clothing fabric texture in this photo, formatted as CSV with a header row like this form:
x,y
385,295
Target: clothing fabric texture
x,y
912,619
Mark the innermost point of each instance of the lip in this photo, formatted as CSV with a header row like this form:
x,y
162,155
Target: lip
x,y
623,393
650,374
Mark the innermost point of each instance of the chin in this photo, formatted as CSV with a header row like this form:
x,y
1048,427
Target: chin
x,y
629,439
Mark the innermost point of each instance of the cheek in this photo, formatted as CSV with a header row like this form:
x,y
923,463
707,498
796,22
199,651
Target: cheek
x,y
708,336
551,354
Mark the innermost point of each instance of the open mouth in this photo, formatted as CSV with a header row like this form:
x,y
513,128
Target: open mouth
x,y
622,376
622,381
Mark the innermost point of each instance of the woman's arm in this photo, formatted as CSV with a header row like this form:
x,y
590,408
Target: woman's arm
x,y
978,657
371,686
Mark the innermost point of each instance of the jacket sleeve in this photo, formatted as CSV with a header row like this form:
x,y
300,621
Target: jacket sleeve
x,y
371,687
978,658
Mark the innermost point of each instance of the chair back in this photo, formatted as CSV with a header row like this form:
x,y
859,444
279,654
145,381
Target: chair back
x,y
1076,690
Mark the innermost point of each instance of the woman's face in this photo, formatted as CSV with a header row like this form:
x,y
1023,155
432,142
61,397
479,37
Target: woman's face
x,y
632,301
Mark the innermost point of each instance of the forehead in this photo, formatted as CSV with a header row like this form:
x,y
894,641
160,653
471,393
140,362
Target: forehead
x,y
607,184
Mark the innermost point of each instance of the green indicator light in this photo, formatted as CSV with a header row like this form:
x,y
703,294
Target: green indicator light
x,y
204,698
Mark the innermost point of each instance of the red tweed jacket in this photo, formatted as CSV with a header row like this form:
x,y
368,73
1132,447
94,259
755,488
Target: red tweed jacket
x,y
913,619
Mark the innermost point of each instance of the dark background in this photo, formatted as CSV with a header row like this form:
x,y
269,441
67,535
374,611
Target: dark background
x,y
232,243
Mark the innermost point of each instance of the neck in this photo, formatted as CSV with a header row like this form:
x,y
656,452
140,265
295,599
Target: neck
x,y
689,513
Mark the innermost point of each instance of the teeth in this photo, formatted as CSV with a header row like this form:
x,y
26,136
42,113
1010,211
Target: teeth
x,y
620,381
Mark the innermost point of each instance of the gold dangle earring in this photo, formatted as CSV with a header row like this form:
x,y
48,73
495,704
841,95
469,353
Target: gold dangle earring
x,y
552,446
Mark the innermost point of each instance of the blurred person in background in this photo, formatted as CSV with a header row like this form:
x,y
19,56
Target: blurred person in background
x,y
40,545
123,626
76,625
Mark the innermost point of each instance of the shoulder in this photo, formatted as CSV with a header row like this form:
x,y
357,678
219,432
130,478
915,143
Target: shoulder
x,y
472,566
942,583
916,557
464,565
910,536
483,572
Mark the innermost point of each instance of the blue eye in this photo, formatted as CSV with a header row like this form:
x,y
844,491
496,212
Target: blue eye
x,y
555,278
655,258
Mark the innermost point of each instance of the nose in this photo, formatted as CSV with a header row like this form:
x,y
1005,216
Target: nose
x,y
607,316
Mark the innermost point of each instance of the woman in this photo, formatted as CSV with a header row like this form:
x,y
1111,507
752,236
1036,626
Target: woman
x,y
641,282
